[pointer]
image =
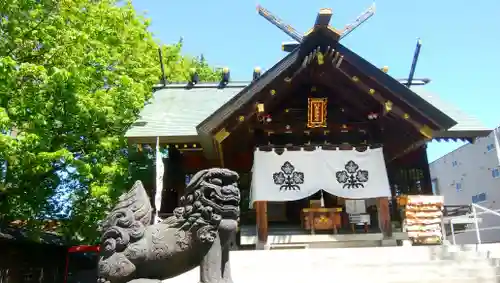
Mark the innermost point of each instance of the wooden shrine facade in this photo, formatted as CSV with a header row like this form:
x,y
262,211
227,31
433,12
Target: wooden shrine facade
x,y
320,94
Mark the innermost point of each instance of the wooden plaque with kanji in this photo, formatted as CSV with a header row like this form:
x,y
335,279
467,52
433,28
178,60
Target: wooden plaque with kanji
x,y
316,112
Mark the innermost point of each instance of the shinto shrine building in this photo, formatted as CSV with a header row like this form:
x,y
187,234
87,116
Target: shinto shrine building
x,y
323,140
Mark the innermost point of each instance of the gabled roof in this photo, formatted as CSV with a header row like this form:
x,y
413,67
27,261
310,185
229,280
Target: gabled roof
x,y
181,114
356,66
175,111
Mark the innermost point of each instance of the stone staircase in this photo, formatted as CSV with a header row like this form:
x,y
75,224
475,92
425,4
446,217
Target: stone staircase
x,y
457,264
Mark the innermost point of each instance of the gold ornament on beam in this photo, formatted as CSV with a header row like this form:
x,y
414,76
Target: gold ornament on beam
x,y
260,107
316,112
388,106
426,131
221,135
320,58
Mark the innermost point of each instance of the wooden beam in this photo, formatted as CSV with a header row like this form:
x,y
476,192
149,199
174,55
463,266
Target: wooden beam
x,y
270,97
289,46
286,28
218,138
302,128
389,106
395,91
398,137
305,63
350,98
409,148
323,17
221,135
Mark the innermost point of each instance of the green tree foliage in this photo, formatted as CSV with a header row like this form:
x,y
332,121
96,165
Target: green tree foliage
x,y
178,68
74,75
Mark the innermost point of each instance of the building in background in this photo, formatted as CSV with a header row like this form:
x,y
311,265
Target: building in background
x,y
471,174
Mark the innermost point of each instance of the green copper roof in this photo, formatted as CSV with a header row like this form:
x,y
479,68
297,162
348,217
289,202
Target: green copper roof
x,y
175,111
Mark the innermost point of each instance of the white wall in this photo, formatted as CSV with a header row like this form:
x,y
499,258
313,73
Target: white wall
x,y
466,172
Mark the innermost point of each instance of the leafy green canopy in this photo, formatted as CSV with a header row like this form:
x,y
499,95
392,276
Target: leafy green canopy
x,y
74,75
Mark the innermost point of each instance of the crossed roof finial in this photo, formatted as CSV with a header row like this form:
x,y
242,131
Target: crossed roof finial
x,y
322,20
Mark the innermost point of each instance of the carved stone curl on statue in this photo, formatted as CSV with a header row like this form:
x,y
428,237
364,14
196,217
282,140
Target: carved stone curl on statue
x,y
198,234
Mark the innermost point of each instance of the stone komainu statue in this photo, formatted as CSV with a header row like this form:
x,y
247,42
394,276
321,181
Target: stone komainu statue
x,y
198,234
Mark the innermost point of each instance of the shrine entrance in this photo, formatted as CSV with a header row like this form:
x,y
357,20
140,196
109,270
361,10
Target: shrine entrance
x,y
316,192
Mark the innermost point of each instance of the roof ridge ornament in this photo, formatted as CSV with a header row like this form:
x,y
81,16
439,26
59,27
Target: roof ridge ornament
x,y
322,20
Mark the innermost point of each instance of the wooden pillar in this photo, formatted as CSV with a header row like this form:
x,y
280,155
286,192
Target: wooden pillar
x,y
384,217
173,180
424,165
261,219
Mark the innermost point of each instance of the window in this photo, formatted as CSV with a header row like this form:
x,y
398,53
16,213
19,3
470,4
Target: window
x,y
435,188
458,186
490,147
454,163
479,198
495,173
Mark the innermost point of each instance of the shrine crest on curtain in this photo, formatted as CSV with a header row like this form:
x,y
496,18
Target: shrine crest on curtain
x,y
316,112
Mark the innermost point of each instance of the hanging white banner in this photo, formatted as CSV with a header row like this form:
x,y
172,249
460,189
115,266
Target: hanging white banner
x,y
159,180
295,175
283,177
354,175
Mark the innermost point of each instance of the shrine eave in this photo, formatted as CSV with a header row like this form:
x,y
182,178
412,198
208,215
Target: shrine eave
x,y
217,118
358,70
175,111
405,94
186,113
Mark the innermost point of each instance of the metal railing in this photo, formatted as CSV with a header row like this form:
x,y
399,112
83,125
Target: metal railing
x,y
476,206
475,217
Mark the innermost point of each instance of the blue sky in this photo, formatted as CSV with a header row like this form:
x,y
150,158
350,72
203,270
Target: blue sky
x,y
459,52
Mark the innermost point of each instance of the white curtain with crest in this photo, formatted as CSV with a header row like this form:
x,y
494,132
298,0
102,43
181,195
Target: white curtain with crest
x,y
294,175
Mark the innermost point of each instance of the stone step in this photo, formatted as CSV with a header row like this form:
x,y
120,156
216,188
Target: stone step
x,y
353,274
367,255
374,265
